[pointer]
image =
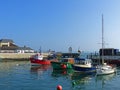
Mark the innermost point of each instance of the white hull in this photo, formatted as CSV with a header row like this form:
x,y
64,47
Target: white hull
x,y
103,70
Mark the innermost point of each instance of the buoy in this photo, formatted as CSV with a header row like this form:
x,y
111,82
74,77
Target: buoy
x,y
63,66
59,87
64,72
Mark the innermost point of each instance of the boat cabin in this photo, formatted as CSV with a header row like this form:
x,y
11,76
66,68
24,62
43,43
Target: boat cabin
x,y
38,56
70,60
83,61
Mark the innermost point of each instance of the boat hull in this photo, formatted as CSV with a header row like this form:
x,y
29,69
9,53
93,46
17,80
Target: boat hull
x,y
84,69
104,70
61,65
39,62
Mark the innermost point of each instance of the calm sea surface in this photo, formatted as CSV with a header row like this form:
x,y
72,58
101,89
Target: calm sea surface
x,y
19,75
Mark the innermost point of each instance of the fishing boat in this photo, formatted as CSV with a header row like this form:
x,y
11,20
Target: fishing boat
x,y
38,59
104,68
65,63
83,65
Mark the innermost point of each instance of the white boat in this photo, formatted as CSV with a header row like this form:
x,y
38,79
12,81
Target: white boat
x,y
104,68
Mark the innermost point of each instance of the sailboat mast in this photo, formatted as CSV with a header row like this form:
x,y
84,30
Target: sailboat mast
x,y
102,40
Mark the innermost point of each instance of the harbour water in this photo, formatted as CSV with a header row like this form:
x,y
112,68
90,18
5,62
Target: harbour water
x,y
19,75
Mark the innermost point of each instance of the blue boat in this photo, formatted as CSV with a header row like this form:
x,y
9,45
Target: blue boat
x,y
83,65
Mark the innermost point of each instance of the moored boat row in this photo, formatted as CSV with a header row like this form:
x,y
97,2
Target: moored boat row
x,y
77,64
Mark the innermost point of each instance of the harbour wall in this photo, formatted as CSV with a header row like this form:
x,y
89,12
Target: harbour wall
x,y
18,56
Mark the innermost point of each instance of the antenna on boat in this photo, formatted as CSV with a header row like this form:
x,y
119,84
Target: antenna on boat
x,y
102,40
40,50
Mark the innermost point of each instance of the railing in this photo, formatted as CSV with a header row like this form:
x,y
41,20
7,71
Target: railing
x,y
105,57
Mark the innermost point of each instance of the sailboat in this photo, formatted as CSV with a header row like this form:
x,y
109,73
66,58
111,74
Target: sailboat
x,y
104,69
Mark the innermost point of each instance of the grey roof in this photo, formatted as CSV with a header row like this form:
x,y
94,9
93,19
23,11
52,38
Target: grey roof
x,y
6,40
15,48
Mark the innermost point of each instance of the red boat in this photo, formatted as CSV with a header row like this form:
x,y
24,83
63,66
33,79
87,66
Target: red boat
x,y
39,60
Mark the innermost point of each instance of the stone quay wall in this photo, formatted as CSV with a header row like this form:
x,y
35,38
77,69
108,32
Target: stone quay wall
x,y
18,56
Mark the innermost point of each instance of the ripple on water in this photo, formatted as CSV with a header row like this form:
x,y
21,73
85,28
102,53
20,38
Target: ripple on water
x,y
21,76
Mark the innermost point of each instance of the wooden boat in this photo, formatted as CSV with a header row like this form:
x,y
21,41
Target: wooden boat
x,y
65,63
83,65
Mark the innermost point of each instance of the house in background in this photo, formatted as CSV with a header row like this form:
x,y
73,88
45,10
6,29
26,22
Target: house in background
x,y
6,42
8,46
24,50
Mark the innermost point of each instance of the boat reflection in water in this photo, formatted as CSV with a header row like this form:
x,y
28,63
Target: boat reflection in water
x,y
104,79
39,70
81,79
62,72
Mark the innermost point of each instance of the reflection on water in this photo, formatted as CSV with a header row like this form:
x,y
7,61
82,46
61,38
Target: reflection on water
x,y
104,79
81,78
7,65
83,81
64,72
20,75
41,68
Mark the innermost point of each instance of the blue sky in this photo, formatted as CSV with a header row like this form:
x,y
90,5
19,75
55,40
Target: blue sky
x,y
59,24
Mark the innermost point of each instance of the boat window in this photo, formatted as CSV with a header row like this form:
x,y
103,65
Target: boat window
x,y
64,60
82,62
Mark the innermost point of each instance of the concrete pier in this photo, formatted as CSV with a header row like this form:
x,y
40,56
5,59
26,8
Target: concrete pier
x,y
17,56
